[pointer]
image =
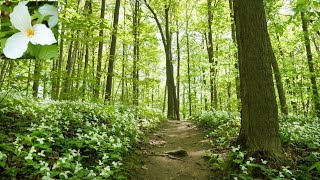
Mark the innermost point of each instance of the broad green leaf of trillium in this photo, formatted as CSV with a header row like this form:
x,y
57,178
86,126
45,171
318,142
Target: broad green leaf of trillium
x,y
52,11
17,44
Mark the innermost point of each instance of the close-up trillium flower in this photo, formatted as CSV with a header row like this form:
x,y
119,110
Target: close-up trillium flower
x,y
17,44
52,11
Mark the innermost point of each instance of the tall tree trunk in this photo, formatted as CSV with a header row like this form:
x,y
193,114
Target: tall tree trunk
x,y
310,64
259,133
188,62
29,78
210,52
236,64
36,78
135,73
178,65
112,51
277,74
99,63
67,80
173,108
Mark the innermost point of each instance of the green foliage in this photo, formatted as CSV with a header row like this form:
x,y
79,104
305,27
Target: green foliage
x,y
300,138
60,140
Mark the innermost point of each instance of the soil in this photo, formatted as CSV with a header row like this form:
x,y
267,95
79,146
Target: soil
x,y
175,152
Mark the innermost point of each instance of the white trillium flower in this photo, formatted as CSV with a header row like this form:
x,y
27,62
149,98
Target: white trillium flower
x,y
17,44
52,11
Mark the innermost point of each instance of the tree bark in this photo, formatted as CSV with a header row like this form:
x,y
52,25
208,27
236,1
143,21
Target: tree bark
x,y
178,65
210,53
135,73
277,74
259,133
311,65
188,69
3,72
99,63
112,51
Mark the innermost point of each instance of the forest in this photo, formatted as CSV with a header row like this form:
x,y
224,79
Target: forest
x,y
160,89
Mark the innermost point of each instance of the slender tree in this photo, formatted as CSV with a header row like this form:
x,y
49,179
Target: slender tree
x,y
100,48
135,73
112,51
173,108
310,64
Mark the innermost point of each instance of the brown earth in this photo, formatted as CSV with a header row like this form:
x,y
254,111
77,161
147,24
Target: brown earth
x,y
175,152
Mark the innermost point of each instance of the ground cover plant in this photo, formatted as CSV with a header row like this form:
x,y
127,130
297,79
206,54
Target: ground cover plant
x,y
44,139
300,138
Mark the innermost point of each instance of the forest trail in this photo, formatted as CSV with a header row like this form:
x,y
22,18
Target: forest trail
x,y
163,160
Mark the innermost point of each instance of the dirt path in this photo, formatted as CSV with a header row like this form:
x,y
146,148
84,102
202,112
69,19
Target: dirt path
x,y
173,136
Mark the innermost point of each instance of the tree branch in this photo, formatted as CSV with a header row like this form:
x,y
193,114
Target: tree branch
x,y
158,23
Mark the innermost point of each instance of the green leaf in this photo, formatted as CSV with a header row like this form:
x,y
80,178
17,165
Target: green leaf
x,y
48,52
315,165
301,2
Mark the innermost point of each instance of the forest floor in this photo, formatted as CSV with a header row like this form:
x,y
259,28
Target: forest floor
x,y
175,151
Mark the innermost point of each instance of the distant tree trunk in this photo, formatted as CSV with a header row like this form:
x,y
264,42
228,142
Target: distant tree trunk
x,y
259,133
88,8
135,73
188,62
69,68
124,57
205,84
54,79
3,72
164,98
277,74
316,45
99,63
29,78
60,60
112,51
36,78
236,64
310,64
80,75
178,65
210,53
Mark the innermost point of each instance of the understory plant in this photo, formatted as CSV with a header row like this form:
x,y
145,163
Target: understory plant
x,y
300,138
44,139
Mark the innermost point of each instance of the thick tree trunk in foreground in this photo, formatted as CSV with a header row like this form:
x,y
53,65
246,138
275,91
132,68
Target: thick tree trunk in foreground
x,y
112,51
259,133
310,64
